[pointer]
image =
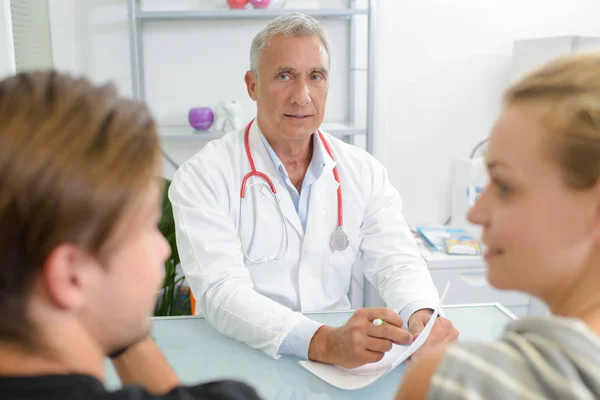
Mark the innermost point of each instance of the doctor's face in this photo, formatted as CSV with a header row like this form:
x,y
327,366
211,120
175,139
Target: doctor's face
x,y
538,230
291,87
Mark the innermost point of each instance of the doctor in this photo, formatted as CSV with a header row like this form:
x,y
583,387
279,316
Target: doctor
x,y
313,207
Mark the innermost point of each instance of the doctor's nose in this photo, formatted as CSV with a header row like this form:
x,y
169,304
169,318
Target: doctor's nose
x,y
301,93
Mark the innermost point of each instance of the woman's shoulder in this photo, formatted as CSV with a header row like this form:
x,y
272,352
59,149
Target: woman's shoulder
x,y
535,358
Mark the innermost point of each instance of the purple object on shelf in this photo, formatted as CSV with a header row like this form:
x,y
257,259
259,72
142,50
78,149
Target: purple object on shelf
x,y
260,3
201,118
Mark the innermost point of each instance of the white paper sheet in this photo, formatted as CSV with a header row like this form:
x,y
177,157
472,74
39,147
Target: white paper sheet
x,y
356,378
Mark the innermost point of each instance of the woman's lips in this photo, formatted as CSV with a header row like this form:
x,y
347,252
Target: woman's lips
x,y
492,253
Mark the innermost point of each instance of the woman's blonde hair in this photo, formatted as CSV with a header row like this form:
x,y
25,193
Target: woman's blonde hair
x,y
565,95
73,157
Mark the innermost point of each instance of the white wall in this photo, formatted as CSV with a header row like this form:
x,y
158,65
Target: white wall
x,y
441,68
446,65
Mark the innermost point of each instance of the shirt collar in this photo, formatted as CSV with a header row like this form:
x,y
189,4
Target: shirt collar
x,y
317,162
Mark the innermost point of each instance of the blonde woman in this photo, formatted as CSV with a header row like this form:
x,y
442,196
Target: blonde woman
x,y
541,222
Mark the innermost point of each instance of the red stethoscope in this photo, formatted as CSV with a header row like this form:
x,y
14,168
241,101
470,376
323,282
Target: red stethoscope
x,y
338,239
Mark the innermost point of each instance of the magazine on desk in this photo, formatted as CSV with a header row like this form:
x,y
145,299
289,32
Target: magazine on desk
x,y
451,240
357,378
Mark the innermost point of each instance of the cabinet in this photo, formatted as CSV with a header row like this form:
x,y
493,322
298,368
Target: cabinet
x,y
469,285
358,75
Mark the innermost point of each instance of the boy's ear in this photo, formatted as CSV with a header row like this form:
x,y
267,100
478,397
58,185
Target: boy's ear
x,y
64,276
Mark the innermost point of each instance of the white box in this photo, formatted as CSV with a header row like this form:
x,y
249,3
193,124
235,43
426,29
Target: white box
x,y
530,54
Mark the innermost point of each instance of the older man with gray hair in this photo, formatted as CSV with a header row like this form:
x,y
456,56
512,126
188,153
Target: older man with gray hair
x,y
261,231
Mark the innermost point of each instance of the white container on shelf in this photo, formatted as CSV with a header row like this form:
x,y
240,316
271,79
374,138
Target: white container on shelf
x,y
277,4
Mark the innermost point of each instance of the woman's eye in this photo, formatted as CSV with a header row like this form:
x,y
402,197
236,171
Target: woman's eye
x,y
502,189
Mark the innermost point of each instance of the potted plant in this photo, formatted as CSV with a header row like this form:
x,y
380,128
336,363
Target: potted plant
x,y
173,298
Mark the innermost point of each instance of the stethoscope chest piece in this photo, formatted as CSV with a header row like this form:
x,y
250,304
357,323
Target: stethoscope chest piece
x,y
339,240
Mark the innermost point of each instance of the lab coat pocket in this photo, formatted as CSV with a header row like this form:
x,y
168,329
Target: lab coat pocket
x,y
339,270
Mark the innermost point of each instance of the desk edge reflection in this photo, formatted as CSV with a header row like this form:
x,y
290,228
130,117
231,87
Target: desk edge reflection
x,y
469,305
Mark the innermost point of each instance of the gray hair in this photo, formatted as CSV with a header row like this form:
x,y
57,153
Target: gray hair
x,y
290,25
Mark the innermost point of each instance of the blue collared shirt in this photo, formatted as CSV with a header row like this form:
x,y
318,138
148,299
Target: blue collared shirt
x,y
313,173
297,342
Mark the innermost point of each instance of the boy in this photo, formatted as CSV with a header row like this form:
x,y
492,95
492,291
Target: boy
x,y
81,258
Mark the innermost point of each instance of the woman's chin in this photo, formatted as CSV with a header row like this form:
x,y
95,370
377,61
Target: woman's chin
x,y
499,279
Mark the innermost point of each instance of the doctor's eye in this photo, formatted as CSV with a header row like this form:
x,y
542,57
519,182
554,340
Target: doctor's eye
x,y
283,77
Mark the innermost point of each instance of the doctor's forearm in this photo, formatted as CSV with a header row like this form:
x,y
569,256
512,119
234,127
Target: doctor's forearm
x,y
236,310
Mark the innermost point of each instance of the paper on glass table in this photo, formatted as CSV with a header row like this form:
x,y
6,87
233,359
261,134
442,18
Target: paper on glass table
x,y
357,378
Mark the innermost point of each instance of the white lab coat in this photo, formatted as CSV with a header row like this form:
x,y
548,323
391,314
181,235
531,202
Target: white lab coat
x,y
259,304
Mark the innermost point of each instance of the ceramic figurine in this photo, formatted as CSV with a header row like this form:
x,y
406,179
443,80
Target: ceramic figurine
x,y
227,117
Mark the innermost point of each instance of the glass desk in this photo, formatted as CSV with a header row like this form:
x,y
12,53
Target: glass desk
x,y
198,353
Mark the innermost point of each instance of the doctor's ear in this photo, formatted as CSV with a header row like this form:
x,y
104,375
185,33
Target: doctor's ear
x,y
251,84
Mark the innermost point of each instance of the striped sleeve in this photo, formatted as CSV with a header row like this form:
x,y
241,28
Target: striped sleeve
x,y
492,370
519,367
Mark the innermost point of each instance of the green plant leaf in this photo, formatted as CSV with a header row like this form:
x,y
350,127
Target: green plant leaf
x,y
167,302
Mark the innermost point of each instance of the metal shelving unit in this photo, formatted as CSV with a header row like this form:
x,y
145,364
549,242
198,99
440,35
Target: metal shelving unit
x,y
346,129
180,133
246,14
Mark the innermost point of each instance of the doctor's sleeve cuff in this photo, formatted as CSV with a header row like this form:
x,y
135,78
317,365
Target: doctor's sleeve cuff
x,y
297,342
412,308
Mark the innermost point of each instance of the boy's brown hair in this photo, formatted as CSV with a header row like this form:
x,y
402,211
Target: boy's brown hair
x,y
73,156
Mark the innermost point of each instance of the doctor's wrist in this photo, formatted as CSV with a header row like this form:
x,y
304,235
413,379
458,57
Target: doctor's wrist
x,y
420,317
318,348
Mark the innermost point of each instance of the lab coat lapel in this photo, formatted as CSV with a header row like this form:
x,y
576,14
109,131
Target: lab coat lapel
x,y
264,164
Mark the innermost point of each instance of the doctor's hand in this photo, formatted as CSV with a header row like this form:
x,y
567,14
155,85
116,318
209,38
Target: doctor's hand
x,y
442,332
359,342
